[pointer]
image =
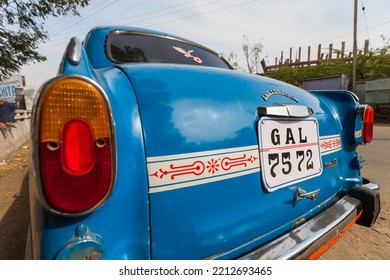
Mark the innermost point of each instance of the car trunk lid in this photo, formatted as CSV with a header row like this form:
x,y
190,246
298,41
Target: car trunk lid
x,y
211,163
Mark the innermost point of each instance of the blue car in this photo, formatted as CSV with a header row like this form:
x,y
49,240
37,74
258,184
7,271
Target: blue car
x,y
150,146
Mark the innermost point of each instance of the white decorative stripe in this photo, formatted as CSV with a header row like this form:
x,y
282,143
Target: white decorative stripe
x,y
186,170
200,154
191,169
330,144
202,181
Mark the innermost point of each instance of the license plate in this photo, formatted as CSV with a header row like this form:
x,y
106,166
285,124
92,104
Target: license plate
x,y
289,151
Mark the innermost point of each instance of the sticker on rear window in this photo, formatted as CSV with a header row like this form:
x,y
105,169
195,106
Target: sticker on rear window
x,y
188,54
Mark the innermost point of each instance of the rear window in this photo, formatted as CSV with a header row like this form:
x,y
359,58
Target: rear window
x,y
142,48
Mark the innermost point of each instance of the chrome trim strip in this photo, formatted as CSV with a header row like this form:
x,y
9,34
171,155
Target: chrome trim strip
x,y
288,110
359,119
73,51
305,240
370,185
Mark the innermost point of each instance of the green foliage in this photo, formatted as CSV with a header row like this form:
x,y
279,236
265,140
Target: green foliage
x,y
325,68
22,29
376,64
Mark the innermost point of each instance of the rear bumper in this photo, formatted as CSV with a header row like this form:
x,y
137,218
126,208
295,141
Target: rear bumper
x,y
311,239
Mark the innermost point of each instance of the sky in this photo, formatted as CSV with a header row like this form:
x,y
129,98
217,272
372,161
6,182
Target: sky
x,y
221,24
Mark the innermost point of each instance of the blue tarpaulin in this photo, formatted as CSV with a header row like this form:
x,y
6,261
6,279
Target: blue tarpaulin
x,y
7,111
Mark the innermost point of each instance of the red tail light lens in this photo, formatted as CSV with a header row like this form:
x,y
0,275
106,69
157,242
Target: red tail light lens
x,y
77,153
368,124
76,146
364,124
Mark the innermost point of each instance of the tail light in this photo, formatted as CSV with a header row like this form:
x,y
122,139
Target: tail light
x,y
76,145
364,124
368,124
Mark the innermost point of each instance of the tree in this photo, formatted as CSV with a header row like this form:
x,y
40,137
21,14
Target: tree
x,y
232,59
386,47
375,64
22,29
252,55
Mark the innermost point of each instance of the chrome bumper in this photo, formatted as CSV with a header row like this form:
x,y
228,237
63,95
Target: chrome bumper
x,y
315,236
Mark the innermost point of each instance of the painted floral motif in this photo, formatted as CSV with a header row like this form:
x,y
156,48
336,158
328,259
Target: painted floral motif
x,y
196,168
199,167
213,165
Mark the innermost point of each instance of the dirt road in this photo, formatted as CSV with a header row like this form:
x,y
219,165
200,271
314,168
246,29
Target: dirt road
x,y
360,243
14,205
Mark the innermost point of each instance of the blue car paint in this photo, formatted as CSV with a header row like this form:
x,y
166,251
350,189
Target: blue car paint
x,y
160,93
342,105
220,219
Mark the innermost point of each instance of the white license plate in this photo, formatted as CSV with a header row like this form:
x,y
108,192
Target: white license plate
x,y
289,151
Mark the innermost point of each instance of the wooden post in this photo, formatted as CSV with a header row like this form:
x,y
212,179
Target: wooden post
x,y
342,49
330,51
354,46
366,44
281,57
299,56
308,56
263,64
291,55
319,52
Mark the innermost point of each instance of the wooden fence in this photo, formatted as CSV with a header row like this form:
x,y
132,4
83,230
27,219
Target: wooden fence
x,y
332,54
